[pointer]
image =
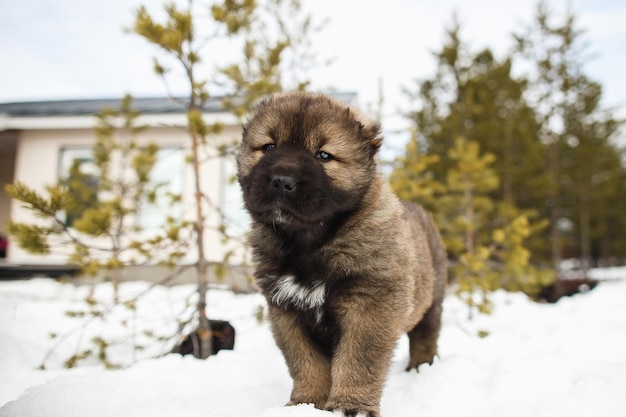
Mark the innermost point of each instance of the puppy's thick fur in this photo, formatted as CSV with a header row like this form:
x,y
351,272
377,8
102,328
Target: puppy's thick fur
x,y
346,268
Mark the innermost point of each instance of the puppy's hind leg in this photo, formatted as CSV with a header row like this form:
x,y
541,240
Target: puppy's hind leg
x,y
423,337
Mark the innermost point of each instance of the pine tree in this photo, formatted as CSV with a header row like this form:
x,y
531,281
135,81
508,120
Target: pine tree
x,y
94,211
412,177
482,202
592,163
475,96
574,129
277,54
552,154
258,74
485,238
89,202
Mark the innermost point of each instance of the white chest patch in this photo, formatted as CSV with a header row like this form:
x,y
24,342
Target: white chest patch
x,y
288,291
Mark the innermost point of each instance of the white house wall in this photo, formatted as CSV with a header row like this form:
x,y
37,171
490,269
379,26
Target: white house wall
x,y
37,165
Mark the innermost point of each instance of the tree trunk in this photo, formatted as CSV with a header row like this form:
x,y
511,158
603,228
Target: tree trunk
x,y
507,158
204,347
585,236
468,196
554,202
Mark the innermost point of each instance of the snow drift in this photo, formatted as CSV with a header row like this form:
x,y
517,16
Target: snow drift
x,y
526,359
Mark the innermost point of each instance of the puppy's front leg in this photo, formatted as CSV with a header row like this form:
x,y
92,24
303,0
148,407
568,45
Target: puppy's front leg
x,y
308,367
362,359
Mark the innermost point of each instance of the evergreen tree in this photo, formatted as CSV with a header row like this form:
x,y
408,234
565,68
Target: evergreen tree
x,y
412,177
484,237
258,74
591,164
500,120
476,97
91,204
93,212
437,120
574,129
552,154
277,55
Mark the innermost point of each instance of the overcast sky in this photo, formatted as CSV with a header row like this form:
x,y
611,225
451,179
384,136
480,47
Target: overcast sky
x,y
58,49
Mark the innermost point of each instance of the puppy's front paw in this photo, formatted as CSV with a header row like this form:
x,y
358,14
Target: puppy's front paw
x,y
354,413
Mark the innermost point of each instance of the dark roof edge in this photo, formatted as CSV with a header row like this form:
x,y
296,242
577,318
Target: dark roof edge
x,y
146,105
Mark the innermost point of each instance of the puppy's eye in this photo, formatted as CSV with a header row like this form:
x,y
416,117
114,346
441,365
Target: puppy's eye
x,y
323,156
268,147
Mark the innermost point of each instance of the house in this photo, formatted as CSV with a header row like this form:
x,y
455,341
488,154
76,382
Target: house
x,y
39,140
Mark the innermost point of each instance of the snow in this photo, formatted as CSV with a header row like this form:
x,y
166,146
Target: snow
x,y
526,359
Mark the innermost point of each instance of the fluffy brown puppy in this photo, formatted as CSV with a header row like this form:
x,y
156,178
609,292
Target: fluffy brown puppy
x,y
345,267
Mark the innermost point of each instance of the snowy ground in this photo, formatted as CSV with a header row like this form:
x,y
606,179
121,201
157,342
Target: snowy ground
x,y
567,359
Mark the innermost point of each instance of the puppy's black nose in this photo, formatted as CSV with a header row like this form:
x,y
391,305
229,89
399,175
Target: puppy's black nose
x,y
283,184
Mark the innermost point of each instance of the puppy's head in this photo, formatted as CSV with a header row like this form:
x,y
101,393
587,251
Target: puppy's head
x,y
305,159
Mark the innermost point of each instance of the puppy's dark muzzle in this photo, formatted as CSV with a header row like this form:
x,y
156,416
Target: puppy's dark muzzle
x,y
282,184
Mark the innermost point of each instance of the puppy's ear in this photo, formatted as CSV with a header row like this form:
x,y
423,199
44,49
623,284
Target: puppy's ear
x,y
371,131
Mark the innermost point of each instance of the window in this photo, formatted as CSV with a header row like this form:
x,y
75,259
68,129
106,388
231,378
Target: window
x,y
78,172
236,217
168,171
81,175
